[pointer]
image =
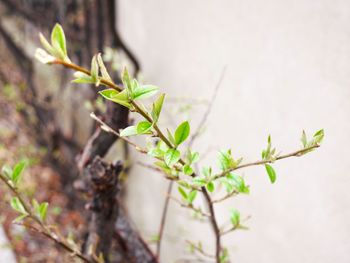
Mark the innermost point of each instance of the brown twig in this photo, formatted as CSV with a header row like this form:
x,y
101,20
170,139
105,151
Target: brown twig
x,y
199,249
214,224
163,218
261,162
207,112
195,209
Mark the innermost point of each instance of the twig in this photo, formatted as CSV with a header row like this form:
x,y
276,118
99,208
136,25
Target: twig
x,y
197,210
207,112
234,192
233,228
44,230
261,162
214,224
199,249
163,218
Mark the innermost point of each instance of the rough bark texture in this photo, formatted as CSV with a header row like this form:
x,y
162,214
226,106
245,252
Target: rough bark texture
x,y
102,180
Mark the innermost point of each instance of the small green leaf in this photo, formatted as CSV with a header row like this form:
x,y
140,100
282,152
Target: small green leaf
x,y
156,152
17,171
129,131
144,127
271,172
94,69
17,205
171,157
117,97
182,192
191,196
46,45
43,56
210,187
235,217
170,137
82,78
199,181
318,136
7,171
20,218
182,132
58,39
187,169
103,68
304,139
194,157
43,210
144,91
127,81
157,108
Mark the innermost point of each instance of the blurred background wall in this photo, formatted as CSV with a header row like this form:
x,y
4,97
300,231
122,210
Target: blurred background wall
x,y
288,65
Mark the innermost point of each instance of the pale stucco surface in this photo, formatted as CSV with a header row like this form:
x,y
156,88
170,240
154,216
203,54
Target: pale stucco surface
x,y
288,69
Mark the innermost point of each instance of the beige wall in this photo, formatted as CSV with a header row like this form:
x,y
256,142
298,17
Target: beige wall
x,y
288,70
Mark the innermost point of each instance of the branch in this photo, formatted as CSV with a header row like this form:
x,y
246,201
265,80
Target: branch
x,y
207,112
261,162
44,229
197,210
163,218
199,249
214,224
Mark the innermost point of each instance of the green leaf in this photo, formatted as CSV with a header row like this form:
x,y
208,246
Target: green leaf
x,y
144,91
117,97
58,39
271,172
17,171
7,171
17,205
171,157
225,160
94,69
127,82
43,56
191,196
43,210
199,181
187,169
304,139
182,132
182,192
210,187
82,78
156,152
170,137
144,127
318,136
235,217
103,68
194,157
157,108
129,131
46,45
20,218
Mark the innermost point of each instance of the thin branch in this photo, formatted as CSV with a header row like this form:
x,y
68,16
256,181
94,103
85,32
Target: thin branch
x,y
214,224
163,218
233,228
44,230
195,209
261,162
207,112
199,249
233,193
